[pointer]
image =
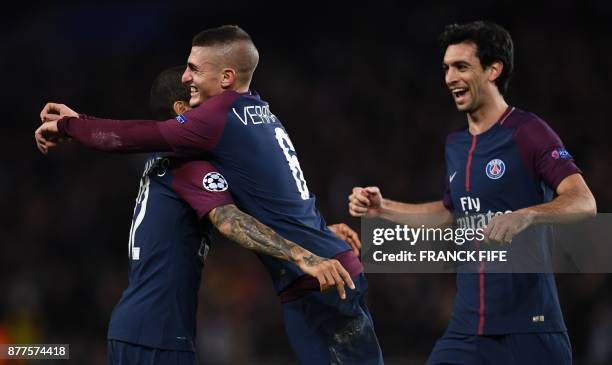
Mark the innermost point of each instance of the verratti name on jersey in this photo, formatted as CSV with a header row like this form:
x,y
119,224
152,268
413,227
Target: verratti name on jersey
x,y
255,114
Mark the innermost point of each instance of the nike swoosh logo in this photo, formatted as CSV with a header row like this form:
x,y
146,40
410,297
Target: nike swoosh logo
x,y
452,176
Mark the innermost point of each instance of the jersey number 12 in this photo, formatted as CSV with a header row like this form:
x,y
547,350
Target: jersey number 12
x,y
141,200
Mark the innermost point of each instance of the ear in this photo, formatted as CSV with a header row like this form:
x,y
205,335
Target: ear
x,y
228,78
495,69
180,107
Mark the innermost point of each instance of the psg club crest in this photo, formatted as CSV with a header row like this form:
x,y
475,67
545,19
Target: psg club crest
x,y
215,182
495,169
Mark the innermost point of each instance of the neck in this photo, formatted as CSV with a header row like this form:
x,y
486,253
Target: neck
x,y
240,88
487,115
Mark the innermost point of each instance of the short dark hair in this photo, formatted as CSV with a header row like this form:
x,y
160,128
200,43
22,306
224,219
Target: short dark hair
x,y
221,35
244,56
167,88
493,43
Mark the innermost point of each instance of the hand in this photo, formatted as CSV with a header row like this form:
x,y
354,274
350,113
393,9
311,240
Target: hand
x,y
365,202
345,233
53,112
503,228
329,273
48,136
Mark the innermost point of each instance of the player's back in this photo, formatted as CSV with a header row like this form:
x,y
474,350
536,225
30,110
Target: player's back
x,y
251,148
167,246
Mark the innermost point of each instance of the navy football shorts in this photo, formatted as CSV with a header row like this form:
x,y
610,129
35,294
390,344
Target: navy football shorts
x,y
523,349
324,329
124,353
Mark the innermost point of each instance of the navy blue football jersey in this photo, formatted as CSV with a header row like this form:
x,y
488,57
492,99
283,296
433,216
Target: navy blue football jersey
x,y
517,163
250,147
248,144
168,243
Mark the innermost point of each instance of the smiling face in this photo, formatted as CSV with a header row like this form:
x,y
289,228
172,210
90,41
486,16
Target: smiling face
x,y
470,84
203,75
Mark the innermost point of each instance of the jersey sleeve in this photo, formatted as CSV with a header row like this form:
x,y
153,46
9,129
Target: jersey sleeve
x,y
201,186
544,154
111,135
198,130
201,128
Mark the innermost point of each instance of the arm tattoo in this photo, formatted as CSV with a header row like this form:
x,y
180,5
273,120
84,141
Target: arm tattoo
x,y
312,260
254,235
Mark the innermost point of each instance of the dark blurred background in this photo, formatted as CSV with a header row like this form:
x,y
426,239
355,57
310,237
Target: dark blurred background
x,y
360,90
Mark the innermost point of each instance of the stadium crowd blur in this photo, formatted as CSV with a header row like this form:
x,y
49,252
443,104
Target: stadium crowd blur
x,y
361,93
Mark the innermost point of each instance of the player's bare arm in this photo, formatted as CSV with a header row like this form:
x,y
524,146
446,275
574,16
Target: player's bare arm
x,y
254,235
347,234
574,202
368,202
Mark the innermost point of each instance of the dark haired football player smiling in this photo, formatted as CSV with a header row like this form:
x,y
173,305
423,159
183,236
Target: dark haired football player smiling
x,y
506,171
